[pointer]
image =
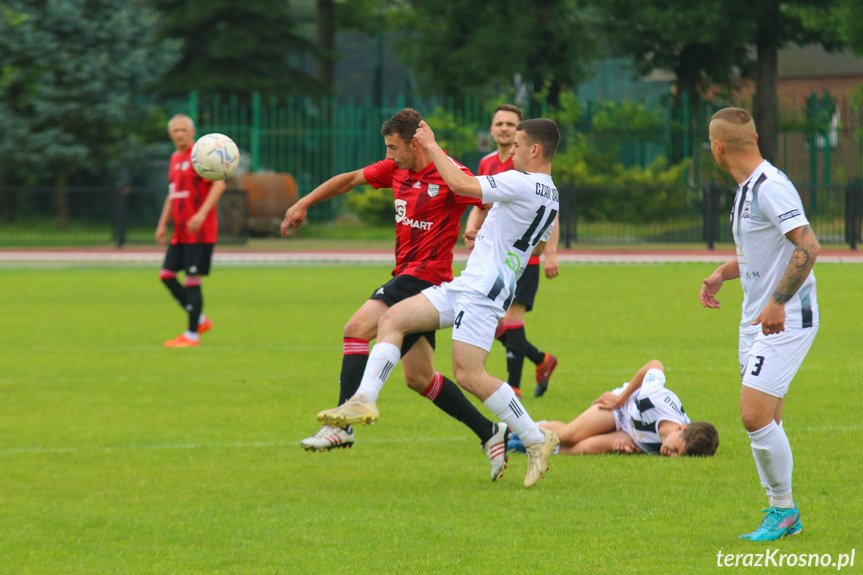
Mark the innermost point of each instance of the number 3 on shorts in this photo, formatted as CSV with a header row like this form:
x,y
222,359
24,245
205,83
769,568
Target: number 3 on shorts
x,y
758,365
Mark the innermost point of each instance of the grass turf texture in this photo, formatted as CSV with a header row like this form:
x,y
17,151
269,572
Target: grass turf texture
x,y
120,456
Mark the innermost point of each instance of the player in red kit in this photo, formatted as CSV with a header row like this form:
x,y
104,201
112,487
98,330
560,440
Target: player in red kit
x,y
428,218
191,206
503,123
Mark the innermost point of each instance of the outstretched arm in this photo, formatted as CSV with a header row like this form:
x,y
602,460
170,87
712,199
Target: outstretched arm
x,y
455,178
613,442
806,248
610,401
335,186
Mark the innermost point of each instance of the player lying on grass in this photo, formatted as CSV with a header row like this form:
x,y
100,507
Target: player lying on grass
x,y
526,202
642,416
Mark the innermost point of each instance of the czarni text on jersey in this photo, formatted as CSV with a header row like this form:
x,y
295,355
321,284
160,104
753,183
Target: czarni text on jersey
x,y
547,192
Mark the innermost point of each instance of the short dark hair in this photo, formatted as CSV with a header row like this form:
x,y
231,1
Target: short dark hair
x,y
404,124
543,132
509,108
736,116
700,439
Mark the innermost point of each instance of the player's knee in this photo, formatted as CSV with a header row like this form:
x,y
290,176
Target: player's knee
x,y
467,378
753,418
417,383
567,437
360,327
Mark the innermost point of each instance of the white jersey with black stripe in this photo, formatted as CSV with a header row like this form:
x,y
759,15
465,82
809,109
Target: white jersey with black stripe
x,y
766,207
646,408
525,205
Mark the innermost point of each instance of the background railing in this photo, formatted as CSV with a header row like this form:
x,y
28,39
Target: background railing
x,y
86,216
590,215
819,137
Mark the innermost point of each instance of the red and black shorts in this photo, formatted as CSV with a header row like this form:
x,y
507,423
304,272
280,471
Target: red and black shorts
x,y
400,288
194,259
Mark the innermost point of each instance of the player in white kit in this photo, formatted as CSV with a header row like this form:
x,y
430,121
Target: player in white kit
x,y
776,249
642,416
520,222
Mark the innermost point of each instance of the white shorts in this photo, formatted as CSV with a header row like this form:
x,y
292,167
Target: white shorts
x,y
621,420
472,315
768,363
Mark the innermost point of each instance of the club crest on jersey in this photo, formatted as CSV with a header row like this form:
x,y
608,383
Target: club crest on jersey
x,y
434,189
185,165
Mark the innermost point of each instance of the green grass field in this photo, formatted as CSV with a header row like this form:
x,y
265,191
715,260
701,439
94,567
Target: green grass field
x,y
120,456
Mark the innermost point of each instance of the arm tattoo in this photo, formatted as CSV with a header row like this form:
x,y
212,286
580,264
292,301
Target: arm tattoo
x,y
798,268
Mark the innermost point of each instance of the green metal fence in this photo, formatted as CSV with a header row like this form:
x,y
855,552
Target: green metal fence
x,y
315,139
120,216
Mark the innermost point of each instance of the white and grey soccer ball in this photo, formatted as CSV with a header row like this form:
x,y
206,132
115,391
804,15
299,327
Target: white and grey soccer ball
x,y
215,157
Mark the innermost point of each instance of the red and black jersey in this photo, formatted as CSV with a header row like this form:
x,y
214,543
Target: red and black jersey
x,y
428,218
187,191
491,164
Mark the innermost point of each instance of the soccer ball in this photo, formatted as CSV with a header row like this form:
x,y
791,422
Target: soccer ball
x,y
215,157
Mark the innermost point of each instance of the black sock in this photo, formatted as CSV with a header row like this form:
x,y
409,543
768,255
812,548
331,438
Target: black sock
x,y
176,289
516,342
353,365
195,305
535,355
449,398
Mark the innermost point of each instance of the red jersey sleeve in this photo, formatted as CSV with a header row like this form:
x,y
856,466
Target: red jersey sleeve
x,y
380,175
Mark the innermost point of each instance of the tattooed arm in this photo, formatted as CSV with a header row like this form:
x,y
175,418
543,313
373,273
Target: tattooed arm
x,y
806,248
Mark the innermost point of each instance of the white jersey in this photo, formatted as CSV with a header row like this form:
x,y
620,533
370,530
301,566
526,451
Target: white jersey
x,y
525,206
646,408
766,207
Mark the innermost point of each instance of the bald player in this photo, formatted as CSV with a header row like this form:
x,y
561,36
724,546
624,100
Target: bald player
x,y
776,249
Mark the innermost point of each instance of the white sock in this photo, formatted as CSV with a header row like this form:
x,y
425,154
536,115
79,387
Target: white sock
x,y
201,319
382,359
775,463
193,335
504,404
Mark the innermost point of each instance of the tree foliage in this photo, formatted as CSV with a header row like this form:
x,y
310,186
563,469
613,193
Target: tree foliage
x,y
72,76
236,48
591,157
691,38
708,44
473,46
